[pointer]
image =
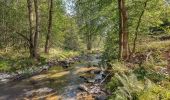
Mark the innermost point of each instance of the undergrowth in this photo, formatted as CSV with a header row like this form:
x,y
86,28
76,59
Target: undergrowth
x,y
142,80
134,84
12,61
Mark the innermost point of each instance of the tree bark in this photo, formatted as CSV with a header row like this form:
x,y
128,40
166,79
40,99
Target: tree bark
x,y
123,31
48,37
31,19
89,43
36,36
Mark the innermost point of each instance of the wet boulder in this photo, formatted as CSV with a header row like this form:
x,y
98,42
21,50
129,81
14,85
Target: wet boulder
x,y
95,90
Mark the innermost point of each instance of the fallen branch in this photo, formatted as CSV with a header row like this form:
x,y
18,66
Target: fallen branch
x,y
23,36
105,78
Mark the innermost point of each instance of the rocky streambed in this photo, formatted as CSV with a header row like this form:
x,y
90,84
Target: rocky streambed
x,y
82,80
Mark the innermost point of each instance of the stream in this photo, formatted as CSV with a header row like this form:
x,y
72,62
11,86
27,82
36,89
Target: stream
x,y
57,83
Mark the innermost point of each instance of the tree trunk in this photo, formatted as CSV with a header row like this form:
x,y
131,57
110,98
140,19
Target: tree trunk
x,y
49,27
89,40
138,25
123,31
31,19
36,36
89,44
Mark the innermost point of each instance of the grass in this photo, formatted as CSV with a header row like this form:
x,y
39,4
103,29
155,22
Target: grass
x,y
155,45
157,50
11,61
59,54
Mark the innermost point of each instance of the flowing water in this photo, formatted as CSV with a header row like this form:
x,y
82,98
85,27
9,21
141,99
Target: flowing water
x,y
55,84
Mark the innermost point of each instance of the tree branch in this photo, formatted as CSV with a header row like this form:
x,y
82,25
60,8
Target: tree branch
x,y
138,25
23,36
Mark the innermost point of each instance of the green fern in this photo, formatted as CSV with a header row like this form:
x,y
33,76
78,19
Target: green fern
x,y
129,87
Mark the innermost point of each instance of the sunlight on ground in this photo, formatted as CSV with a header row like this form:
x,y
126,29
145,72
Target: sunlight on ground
x,y
54,73
39,77
59,54
51,96
57,75
84,96
85,69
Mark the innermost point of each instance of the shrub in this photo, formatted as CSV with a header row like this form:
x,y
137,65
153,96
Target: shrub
x,y
4,66
155,92
125,87
143,72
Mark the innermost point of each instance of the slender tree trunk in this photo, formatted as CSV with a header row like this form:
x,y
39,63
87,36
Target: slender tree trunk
x,y
123,31
138,25
31,19
36,36
49,27
89,39
89,43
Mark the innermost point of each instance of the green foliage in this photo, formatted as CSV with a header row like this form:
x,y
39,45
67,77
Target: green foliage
x,y
143,73
4,66
155,92
71,38
71,42
128,87
125,87
119,67
18,64
111,52
60,54
114,84
156,77
141,83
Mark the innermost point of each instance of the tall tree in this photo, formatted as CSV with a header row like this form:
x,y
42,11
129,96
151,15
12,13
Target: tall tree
x,y
37,28
47,44
87,19
34,29
123,30
31,25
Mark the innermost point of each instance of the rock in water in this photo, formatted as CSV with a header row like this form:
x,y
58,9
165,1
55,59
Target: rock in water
x,y
95,89
6,77
98,77
83,87
91,80
38,92
101,97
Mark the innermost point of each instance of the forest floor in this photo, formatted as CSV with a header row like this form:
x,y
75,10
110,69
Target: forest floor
x,y
55,84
